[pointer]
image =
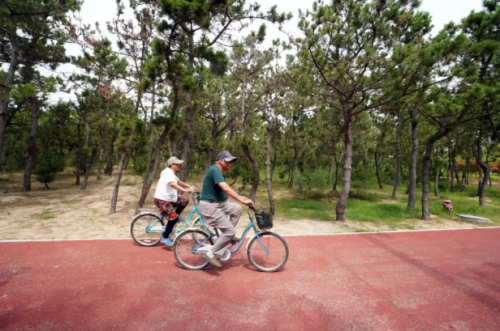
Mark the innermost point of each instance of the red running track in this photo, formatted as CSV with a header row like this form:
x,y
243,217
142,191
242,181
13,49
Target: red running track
x,y
436,280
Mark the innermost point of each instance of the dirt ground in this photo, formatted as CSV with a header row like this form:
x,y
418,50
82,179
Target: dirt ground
x,y
67,212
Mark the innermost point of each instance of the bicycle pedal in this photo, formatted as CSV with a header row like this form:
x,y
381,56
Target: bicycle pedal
x,y
226,256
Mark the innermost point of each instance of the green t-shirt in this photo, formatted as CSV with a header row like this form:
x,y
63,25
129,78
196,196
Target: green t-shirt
x,y
211,190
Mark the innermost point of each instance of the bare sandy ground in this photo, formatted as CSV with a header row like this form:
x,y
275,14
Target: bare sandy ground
x,y
67,212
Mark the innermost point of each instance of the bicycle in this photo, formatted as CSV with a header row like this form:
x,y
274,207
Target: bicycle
x,y
147,227
267,251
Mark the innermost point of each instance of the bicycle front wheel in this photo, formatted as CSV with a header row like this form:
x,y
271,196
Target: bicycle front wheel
x,y
184,249
275,257
147,229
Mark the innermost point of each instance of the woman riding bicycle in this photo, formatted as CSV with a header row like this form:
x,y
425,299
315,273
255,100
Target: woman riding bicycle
x,y
216,211
166,199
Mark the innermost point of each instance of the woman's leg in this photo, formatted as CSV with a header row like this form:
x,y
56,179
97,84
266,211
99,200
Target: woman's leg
x,y
168,212
181,204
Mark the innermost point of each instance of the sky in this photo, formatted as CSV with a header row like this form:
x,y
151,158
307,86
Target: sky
x,y
442,12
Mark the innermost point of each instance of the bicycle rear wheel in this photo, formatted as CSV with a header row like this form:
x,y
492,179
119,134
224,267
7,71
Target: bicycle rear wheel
x,y
277,252
184,246
147,229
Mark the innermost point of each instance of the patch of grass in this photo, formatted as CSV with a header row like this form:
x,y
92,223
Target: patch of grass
x,y
127,181
316,195
362,230
364,196
304,209
45,216
363,211
68,201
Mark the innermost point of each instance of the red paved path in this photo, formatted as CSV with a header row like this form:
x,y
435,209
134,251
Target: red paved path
x,y
443,280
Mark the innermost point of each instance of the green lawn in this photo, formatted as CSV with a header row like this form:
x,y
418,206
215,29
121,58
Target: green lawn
x,y
374,205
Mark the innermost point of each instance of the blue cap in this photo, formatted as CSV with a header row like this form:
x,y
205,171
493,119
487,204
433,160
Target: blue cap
x,y
226,156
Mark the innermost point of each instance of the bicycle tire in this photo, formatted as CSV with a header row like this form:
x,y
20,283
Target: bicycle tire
x,y
139,226
263,261
183,246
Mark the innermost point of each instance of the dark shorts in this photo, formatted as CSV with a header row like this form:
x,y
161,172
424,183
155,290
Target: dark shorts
x,y
167,208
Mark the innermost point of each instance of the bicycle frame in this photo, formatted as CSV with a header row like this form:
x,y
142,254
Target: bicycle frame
x,y
151,229
249,226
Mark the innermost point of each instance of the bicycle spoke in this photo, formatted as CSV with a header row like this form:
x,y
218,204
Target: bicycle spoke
x,y
276,255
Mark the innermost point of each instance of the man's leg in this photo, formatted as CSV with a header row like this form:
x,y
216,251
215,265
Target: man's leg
x,y
218,219
234,211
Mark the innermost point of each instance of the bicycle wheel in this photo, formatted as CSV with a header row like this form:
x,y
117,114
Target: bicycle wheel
x,y
184,245
147,229
277,254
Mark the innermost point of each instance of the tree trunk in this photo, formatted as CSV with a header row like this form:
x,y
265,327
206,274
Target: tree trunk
x,y
489,170
467,170
210,151
273,164
268,171
126,161
334,186
172,147
149,183
153,101
451,157
412,177
330,173
482,167
5,114
148,164
78,157
480,177
3,126
426,214
101,153
346,184
294,165
377,170
255,166
464,174
398,160
114,198
457,178
30,164
186,149
87,152
436,181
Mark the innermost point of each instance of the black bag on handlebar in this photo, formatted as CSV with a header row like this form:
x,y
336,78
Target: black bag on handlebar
x,y
264,218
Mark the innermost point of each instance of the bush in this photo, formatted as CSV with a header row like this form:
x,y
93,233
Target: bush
x,y
140,164
49,163
316,181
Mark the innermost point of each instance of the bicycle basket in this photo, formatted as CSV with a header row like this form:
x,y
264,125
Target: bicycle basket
x,y
264,218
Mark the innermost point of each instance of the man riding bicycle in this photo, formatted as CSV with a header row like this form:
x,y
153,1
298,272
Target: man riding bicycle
x,y
216,211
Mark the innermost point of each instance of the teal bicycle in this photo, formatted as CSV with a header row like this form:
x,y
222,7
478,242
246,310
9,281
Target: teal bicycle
x,y
267,251
147,227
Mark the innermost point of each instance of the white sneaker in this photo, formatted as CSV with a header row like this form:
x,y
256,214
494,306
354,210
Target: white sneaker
x,y
158,229
226,256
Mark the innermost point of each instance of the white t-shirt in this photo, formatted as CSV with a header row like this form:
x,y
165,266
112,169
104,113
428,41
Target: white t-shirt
x,y
163,190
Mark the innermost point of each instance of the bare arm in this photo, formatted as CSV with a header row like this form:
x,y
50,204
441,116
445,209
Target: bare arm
x,y
182,184
179,188
229,191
